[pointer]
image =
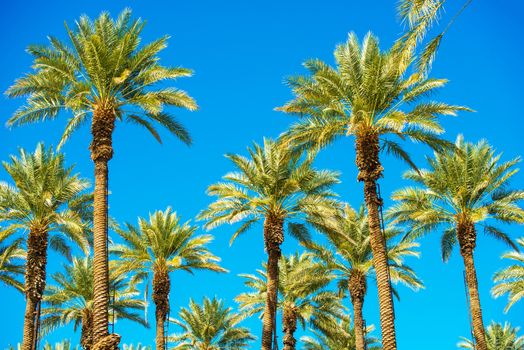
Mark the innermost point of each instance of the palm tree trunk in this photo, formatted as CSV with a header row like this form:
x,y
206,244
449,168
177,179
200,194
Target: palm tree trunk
x,y
161,288
101,152
467,240
357,292
370,170
35,276
289,325
273,238
86,337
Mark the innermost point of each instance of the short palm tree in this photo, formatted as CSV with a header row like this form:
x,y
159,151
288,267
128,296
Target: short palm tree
x,y
12,257
511,279
138,346
157,247
49,204
210,326
303,294
337,335
374,96
103,75
499,337
273,186
463,190
70,300
350,258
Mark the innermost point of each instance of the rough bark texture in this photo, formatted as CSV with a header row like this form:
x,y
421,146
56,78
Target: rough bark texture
x,y
357,292
101,152
86,338
289,325
273,238
370,170
467,237
35,275
161,288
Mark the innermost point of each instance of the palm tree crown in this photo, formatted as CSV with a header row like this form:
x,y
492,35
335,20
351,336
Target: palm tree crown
x,y
12,256
210,326
499,337
510,280
70,299
102,69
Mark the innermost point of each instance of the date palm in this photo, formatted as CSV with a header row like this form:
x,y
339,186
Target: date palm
x,y
499,337
510,280
463,190
210,326
349,256
101,76
157,247
274,186
303,294
48,203
374,96
12,257
70,300
337,335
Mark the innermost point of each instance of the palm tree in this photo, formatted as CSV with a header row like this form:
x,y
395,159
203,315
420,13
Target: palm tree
x,y
350,258
511,279
46,199
11,260
374,96
463,190
337,335
210,326
138,346
274,186
70,300
104,76
303,295
499,337
157,247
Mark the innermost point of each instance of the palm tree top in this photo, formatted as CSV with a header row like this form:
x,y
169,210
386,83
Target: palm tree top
x,y
163,240
498,337
103,67
510,280
370,93
12,257
210,326
467,184
46,196
274,181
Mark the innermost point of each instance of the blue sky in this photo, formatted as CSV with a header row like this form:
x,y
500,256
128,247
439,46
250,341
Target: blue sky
x,y
241,52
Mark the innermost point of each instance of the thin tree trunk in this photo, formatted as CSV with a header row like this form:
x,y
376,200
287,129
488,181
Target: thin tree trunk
x,y
357,292
101,152
161,288
289,325
35,279
273,238
370,170
86,337
100,263
467,239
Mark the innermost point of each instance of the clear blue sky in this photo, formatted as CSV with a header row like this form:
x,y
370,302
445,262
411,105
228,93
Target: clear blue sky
x,y
241,51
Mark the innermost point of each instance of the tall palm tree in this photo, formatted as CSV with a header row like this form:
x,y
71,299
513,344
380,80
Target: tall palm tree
x,y
103,76
210,326
374,96
277,187
510,280
499,337
49,204
350,258
337,335
303,294
70,300
157,247
463,190
12,257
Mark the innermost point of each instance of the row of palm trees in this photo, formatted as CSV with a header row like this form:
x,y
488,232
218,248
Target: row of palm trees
x,y
103,76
